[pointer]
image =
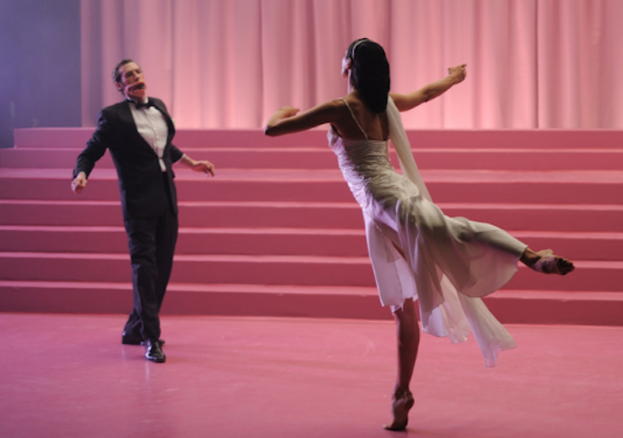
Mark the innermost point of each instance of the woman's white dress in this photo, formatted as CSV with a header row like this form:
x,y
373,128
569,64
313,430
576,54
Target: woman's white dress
x,y
448,263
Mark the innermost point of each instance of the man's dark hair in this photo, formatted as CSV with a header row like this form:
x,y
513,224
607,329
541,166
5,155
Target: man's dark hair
x,y
116,76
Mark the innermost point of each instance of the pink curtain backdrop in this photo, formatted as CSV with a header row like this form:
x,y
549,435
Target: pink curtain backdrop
x,y
231,63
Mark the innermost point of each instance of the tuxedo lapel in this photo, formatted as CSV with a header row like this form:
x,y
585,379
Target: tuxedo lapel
x,y
125,116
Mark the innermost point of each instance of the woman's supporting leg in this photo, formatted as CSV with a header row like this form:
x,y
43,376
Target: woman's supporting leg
x,y
408,334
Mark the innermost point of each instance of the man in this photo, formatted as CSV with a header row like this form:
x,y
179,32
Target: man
x,y
138,133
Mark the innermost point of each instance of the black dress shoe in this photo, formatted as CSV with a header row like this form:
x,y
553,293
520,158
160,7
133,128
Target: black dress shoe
x,y
153,352
135,340
160,341
131,340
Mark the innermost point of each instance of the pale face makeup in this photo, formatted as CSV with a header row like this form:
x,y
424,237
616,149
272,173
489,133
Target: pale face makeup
x,y
132,82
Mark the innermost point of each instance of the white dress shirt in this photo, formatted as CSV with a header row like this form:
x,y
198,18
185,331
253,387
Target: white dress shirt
x,y
152,126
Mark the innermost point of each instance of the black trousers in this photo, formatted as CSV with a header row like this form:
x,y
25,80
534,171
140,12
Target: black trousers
x,y
152,245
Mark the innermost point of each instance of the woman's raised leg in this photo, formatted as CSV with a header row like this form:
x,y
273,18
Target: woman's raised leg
x,y
546,261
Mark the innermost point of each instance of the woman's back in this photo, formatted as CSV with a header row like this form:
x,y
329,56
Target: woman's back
x,y
358,122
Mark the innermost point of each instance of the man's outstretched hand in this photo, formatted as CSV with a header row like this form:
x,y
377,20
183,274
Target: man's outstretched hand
x,y
79,183
198,166
203,166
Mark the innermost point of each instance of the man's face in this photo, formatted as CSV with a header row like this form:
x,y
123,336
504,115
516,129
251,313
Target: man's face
x,y
132,83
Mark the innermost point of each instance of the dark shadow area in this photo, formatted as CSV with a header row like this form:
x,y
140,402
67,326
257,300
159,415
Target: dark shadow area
x,y
40,58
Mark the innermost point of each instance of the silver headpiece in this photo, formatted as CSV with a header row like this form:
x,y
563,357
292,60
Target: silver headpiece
x,y
352,55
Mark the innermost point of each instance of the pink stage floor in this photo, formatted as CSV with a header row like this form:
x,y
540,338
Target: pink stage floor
x,y
68,376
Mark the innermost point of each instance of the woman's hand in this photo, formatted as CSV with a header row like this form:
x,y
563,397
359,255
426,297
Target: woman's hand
x,y
457,73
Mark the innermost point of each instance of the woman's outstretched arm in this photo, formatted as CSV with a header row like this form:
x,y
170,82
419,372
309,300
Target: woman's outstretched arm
x,y
287,120
405,102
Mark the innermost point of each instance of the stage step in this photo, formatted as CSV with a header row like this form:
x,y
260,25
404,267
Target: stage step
x,y
536,217
323,158
277,232
444,138
276,241
192,240
509,306
568,187
272,269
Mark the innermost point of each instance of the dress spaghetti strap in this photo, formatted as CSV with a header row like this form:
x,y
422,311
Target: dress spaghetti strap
x,y
354,118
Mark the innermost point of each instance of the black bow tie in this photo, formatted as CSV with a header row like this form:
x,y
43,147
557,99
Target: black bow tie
x,y
148,104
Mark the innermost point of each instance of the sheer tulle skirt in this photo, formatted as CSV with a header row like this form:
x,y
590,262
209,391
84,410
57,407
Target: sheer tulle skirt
x,y
447,264
454,262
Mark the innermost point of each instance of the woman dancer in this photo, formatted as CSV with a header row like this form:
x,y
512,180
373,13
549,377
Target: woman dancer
x,y
416,251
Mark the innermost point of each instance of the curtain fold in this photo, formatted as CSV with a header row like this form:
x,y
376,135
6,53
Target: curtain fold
x,y
231,63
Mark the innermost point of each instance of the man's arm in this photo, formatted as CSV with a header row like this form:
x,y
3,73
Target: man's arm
x,y
96,147
198,166
405,102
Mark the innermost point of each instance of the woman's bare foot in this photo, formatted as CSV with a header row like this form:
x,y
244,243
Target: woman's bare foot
x,y
547,262
402,402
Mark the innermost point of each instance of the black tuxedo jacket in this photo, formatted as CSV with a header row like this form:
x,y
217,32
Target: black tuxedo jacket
x,y
141,183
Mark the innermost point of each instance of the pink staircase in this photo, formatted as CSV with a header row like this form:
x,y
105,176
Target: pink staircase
x,y
278,233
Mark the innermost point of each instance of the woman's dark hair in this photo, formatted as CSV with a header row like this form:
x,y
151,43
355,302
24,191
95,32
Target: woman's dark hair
x,y
370,72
